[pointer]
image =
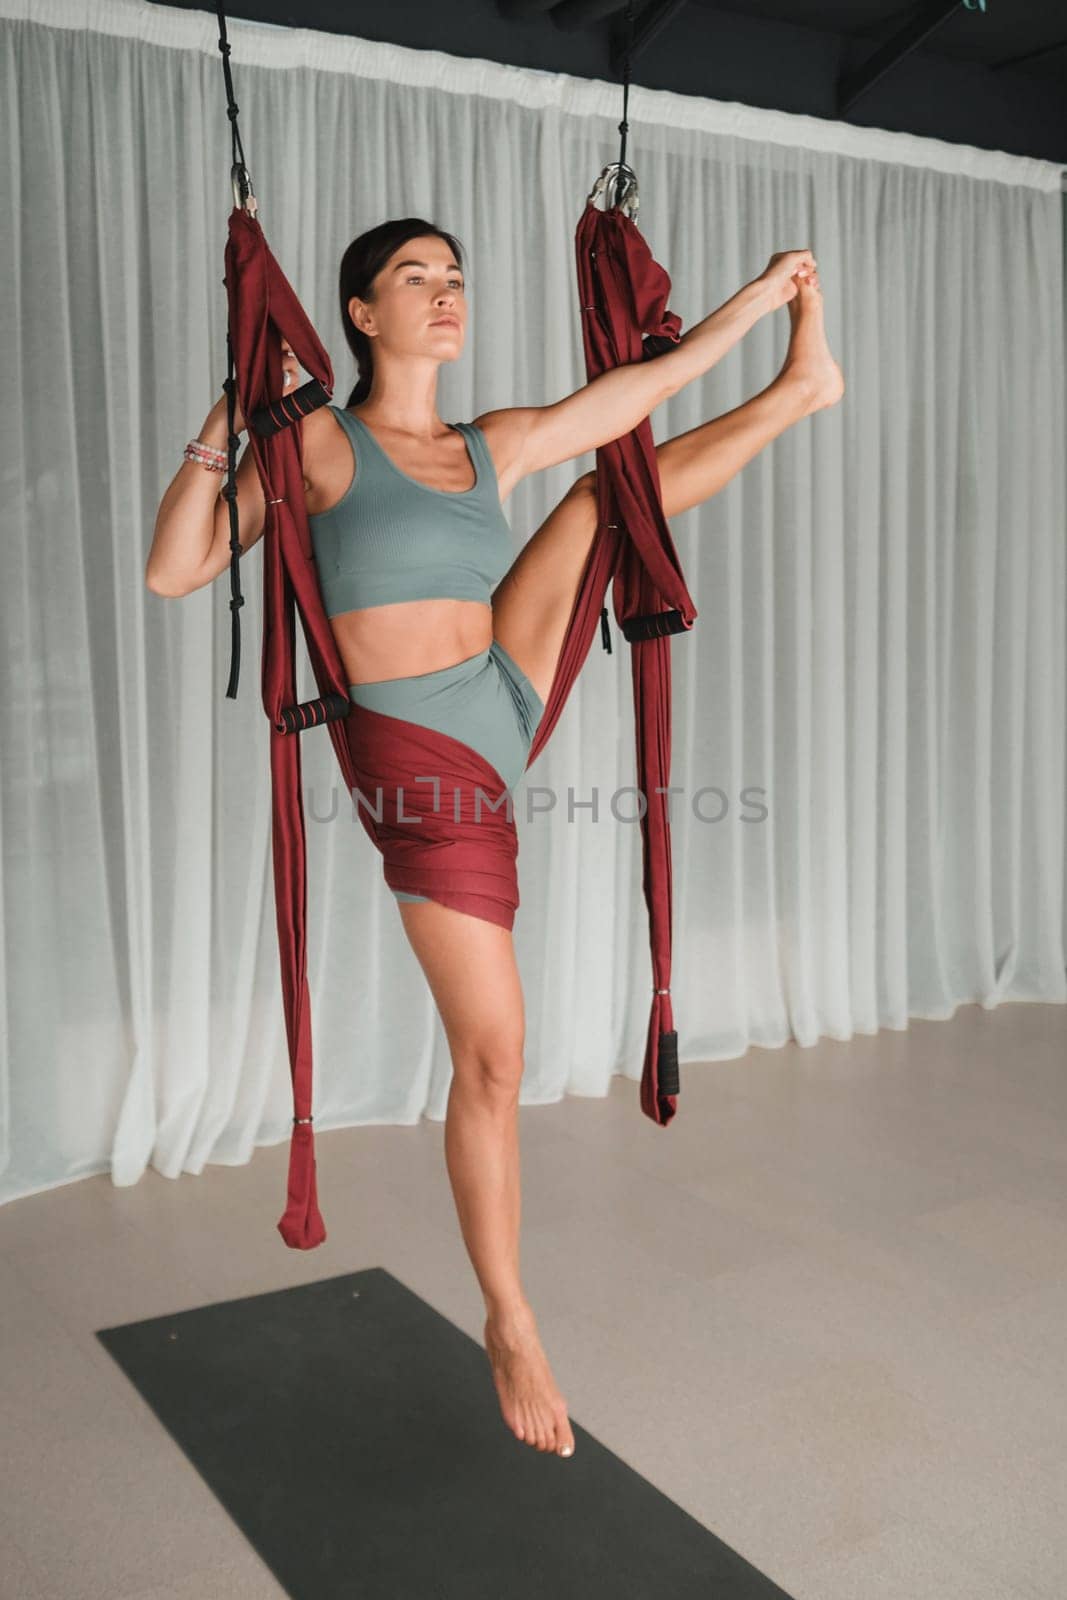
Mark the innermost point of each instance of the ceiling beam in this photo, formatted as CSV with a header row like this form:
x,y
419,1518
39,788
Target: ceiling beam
x,y
929,17
646,27
1031,55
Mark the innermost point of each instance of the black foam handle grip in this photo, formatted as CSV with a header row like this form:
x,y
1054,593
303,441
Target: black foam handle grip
x,y
327,708
657,344
667,1063
652,626
279,414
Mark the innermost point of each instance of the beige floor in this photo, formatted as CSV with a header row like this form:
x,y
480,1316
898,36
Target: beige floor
x,y
824,1311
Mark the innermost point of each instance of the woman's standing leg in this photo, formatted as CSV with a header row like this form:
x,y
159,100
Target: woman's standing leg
x,y
471,969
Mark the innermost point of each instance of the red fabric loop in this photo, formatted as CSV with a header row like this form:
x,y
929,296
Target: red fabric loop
x,y
446,827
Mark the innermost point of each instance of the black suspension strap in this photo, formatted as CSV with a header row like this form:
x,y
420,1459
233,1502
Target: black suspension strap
x,y
229,494
656,624
267,420
624,126
243,196
622,188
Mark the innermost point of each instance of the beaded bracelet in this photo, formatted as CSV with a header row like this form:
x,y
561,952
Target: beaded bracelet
x,y
205,455
206,449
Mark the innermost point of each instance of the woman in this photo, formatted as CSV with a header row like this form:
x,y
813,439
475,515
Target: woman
x,y
458,642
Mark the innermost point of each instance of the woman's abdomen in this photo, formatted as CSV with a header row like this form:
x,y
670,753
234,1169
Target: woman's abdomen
x,y
410,638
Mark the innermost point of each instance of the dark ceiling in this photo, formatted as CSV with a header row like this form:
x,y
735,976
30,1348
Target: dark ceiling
x,y
990,73
997,33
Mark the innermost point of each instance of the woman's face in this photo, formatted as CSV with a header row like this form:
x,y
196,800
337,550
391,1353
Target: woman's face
x,y
419,284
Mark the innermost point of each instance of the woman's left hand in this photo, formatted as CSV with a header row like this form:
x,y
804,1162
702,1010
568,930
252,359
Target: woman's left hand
x,y
290,368
784,272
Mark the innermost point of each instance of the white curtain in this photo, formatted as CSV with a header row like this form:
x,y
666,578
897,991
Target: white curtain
x,y
875,682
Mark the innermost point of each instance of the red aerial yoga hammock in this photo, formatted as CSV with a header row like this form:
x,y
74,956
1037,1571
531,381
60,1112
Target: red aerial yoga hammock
x,y
452,856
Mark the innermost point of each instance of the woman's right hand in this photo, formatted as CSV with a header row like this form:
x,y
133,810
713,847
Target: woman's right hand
x,y
780,274
290,372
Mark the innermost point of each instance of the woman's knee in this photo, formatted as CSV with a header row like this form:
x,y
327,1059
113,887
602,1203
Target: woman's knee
x,y
492,1069
474,978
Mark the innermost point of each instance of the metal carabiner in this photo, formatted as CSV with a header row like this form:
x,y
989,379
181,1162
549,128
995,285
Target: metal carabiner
x,y
244,196
630,199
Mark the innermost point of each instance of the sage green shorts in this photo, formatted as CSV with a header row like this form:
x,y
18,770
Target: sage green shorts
x,y
485,701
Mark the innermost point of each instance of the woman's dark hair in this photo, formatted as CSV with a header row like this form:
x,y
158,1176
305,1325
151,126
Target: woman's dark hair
x,y
360,265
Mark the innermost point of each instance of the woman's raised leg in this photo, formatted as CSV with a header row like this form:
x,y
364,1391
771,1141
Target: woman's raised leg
x,y
694,466
471,969
534,601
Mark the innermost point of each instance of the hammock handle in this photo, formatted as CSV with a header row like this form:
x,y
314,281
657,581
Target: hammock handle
x,y
310,713
654,625
667,1063
279,414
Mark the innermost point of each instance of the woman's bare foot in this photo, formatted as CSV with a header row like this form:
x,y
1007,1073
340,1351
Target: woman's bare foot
x,y
808,358
532,1406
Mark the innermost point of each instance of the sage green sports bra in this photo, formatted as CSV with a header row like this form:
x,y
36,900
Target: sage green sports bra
x,y
392,538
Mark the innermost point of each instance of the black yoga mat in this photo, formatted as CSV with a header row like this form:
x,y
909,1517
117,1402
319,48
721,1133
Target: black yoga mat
x,y
354,1436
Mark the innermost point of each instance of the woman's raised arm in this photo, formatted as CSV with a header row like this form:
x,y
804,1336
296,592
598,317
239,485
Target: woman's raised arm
x,y
191,513
191,541
613,403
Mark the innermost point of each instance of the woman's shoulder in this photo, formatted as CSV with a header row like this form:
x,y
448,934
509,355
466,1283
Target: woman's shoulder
x,y
503,441
322,452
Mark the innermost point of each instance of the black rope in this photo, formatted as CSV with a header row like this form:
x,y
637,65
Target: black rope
x,y
620,181
242,192
232,109
229,493
624,126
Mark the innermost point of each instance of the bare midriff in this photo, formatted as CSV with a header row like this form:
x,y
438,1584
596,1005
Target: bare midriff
x,y
410,637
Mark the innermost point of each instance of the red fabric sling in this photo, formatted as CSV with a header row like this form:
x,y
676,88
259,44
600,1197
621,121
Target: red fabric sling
x,y
462,851
439,813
